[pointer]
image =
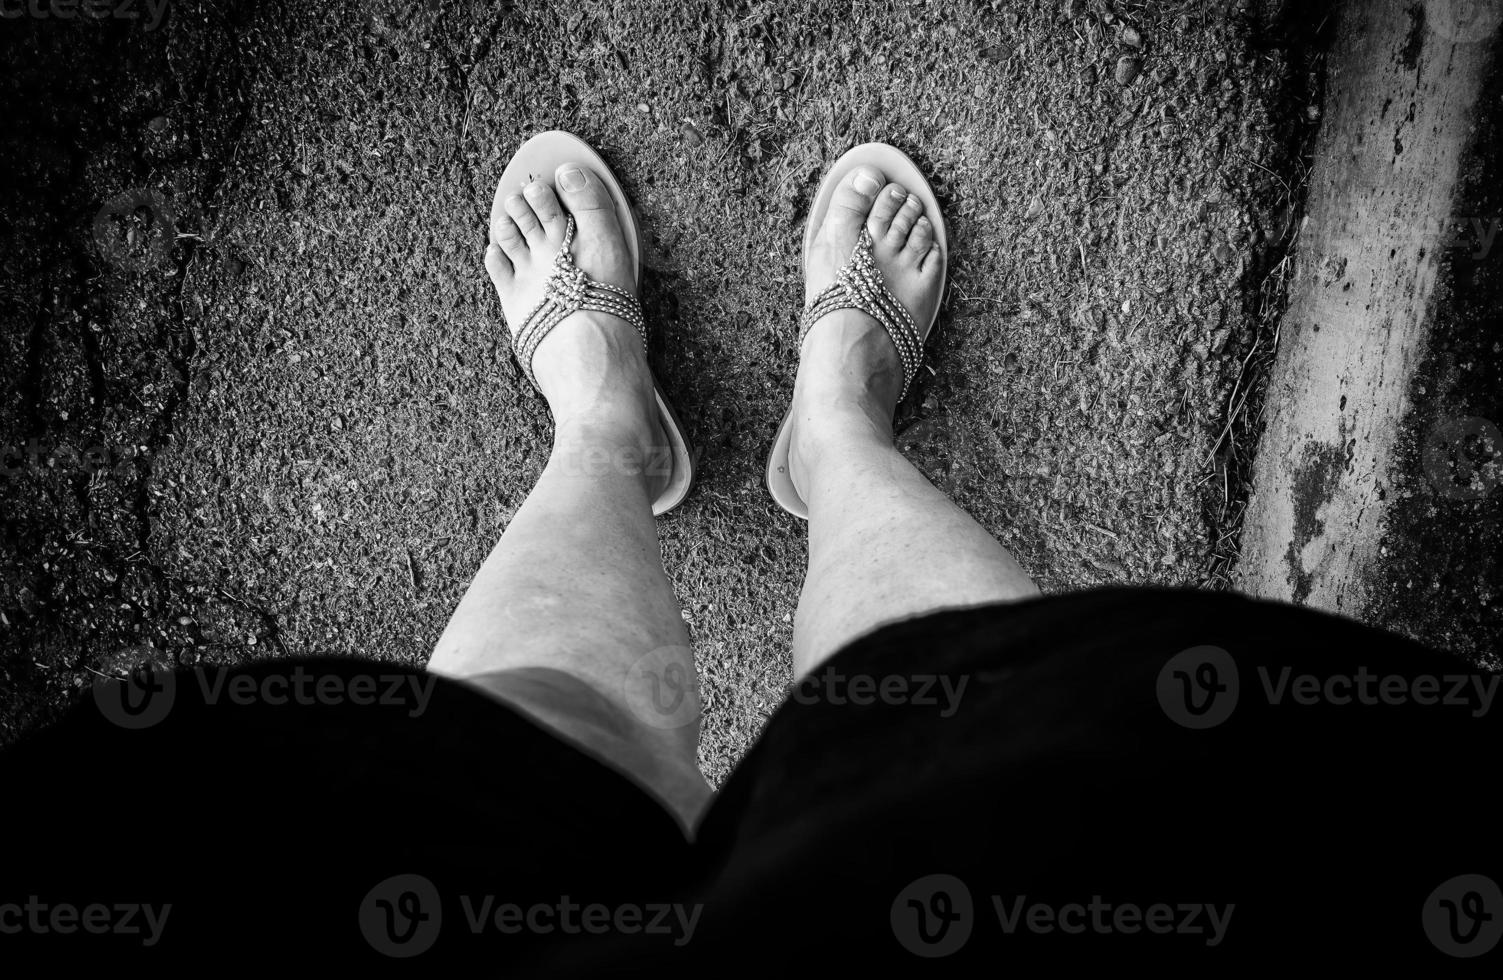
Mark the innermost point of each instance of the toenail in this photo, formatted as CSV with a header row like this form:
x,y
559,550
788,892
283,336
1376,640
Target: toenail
x,y
865,184
900,194
572,179
514,200
533,189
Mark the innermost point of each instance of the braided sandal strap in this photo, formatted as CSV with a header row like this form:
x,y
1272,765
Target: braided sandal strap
x,y
569,290
859,286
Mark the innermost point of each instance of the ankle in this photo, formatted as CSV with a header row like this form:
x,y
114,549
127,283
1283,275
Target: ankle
x,y
848,361
600,446
593,372
829,432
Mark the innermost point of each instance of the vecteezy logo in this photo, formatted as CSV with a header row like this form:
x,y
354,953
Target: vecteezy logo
x,y
1463,458
1464,21
401,916
1464,916
933,916
135,231
1198,687
660,688
139,700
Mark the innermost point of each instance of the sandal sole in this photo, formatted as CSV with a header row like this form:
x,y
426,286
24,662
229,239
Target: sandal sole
x,y
895,165
539,158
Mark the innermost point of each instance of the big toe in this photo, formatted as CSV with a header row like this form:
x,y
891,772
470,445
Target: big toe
x,y
855,195
587,199
594,210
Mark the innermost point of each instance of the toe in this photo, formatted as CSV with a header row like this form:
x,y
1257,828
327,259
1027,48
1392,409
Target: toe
x,y
919,239
856,194
545,205
887,205
903,221
933,259
507,235
521,212
499,267
584,195
594,211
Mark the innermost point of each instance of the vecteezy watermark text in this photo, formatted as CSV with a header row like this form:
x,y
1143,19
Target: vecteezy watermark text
x,y
1200,687
145,697
304,687
1475,692
934,916
833,687
673,920
42,918
403,915
154,10
1107,918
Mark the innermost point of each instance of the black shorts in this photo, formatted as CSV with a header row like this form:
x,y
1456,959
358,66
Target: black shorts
x,y
1115,775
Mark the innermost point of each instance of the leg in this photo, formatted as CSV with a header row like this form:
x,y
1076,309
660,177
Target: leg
x,y
571,619
884,544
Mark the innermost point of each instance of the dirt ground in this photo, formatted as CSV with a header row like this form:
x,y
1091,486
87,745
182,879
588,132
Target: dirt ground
x,y
258,400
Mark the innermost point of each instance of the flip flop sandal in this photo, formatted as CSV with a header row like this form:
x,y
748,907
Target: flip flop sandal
x,y
569,289
859,286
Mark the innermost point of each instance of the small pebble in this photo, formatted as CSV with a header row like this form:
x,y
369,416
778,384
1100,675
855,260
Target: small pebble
x,y
1128,69
1131,37
691,134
